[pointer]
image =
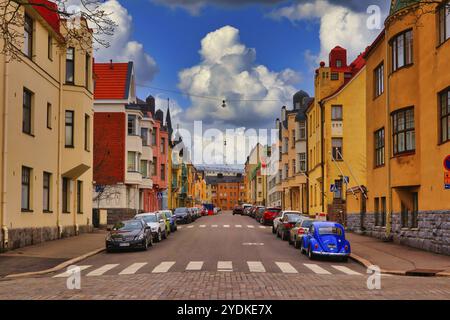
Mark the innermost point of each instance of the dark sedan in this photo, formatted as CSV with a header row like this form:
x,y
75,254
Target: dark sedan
x,y
238,210
131,234
183,215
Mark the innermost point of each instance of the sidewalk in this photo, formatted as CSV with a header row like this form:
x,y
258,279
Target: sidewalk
x,y
395,258
50,254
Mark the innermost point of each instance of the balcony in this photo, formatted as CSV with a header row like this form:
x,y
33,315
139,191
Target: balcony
x,y
132,177
134,143
147,183
147,153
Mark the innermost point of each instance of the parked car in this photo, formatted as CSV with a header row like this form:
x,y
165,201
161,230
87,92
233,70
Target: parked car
x,y
238,210
253,211
286,224
259,213
279,217
129,234
326,239
171,218
246,207
183,215
300,228
268,215
157,227
217,210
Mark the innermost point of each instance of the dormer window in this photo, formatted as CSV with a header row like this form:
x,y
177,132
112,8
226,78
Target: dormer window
x,y
338,63
28,36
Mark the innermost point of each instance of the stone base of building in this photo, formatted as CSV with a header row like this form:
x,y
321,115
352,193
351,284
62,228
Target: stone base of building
x,y
22,237
432,233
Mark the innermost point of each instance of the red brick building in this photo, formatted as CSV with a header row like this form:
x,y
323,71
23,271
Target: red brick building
x,y
226,191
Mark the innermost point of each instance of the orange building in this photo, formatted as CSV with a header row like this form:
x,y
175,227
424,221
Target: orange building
x,y
226,191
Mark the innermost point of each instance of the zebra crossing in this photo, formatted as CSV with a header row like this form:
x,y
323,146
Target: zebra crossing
x,y
220,266
224,226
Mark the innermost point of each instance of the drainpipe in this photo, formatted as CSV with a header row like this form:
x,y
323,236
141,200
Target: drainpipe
x,y
322,124
4,230
389,210
59,173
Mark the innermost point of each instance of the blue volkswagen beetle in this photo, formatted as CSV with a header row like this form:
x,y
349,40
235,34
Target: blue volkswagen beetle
x,y
326,239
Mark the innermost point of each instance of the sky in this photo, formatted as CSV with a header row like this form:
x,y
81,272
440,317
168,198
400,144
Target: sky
x,y
255,54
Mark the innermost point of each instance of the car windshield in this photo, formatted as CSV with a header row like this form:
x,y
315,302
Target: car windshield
x,y
168,214
306,223
181,210
261,210
293,217
148,218
273,210
128,225
330,230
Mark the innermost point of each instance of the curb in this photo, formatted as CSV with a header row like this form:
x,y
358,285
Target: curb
x,y
366,263
56,268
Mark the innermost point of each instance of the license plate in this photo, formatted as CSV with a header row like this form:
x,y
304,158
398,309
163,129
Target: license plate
x,y
124,244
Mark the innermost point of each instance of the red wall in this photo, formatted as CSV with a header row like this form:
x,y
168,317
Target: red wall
x,y
109,147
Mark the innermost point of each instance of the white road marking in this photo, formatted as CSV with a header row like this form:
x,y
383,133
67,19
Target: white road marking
x,y
179,227
253,244
133,268
286,267
226,225
102,270
190,227
194,266
316,269
250,226
224,266
238,226
262,227
203,226
255,266
163,267
347,270
66,274
214,226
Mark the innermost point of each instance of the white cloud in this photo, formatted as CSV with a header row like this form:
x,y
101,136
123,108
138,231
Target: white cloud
x,y
122,47
228,69
339,25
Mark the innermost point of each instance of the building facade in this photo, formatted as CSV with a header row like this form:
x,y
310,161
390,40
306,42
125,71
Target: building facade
x,y
336,135
226,191
46,134
408,129
255,176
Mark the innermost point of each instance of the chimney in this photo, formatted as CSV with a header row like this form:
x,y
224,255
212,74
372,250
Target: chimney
x,y
111,66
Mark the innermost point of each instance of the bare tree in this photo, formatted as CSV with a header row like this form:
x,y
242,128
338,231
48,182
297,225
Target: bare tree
x,y
95,23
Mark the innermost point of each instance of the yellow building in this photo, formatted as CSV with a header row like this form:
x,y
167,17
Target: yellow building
x,y
292,163
336,135
255,181
46,107
408,128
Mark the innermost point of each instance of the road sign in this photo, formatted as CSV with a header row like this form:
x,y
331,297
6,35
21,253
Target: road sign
x,y
346,180
159,195
447,180
99,189
333,188
447,163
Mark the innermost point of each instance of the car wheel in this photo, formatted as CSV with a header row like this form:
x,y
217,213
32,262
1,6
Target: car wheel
x,y
159,236
261,221
290,240
296,244
278,234
310,253
151,242
164,235
283,236
273,230
145,245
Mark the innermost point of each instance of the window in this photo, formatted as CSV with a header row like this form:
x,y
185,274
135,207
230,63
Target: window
x,y
336,113
27,113
444,22
144,168
377,211
69,129
66,195
402,50
49,115
50,48
293,138
334,76
154,137
383,211
294,169
87,70
302,130
286,171
28,37
403,131
79,196
415,211
70,65
338,63
336,145
87,132
47,177
286,145
154,166
163,172
144,136
302,161
445,115
132,125
379,80
26,188
379,147
163,146
132,163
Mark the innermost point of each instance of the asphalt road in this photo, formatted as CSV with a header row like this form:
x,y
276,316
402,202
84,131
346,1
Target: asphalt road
x,y
221,257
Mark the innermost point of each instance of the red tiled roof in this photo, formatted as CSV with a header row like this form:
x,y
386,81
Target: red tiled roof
x,y
112,80
48,10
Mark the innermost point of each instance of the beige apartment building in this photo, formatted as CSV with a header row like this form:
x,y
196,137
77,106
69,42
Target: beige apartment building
x,y
46,110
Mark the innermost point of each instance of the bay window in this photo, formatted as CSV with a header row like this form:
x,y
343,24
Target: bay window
x,y
402,50
403,129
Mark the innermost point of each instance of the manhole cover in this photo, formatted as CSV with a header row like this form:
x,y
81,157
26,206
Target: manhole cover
x,y
423,272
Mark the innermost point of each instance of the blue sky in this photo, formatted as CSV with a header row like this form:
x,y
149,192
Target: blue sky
x,y
240,51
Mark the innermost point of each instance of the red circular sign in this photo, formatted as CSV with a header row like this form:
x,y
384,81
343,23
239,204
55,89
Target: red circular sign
x,y
447,163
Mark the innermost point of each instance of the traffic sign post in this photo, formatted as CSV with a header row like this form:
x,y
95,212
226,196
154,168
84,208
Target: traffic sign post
x,y
447,180
447,163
